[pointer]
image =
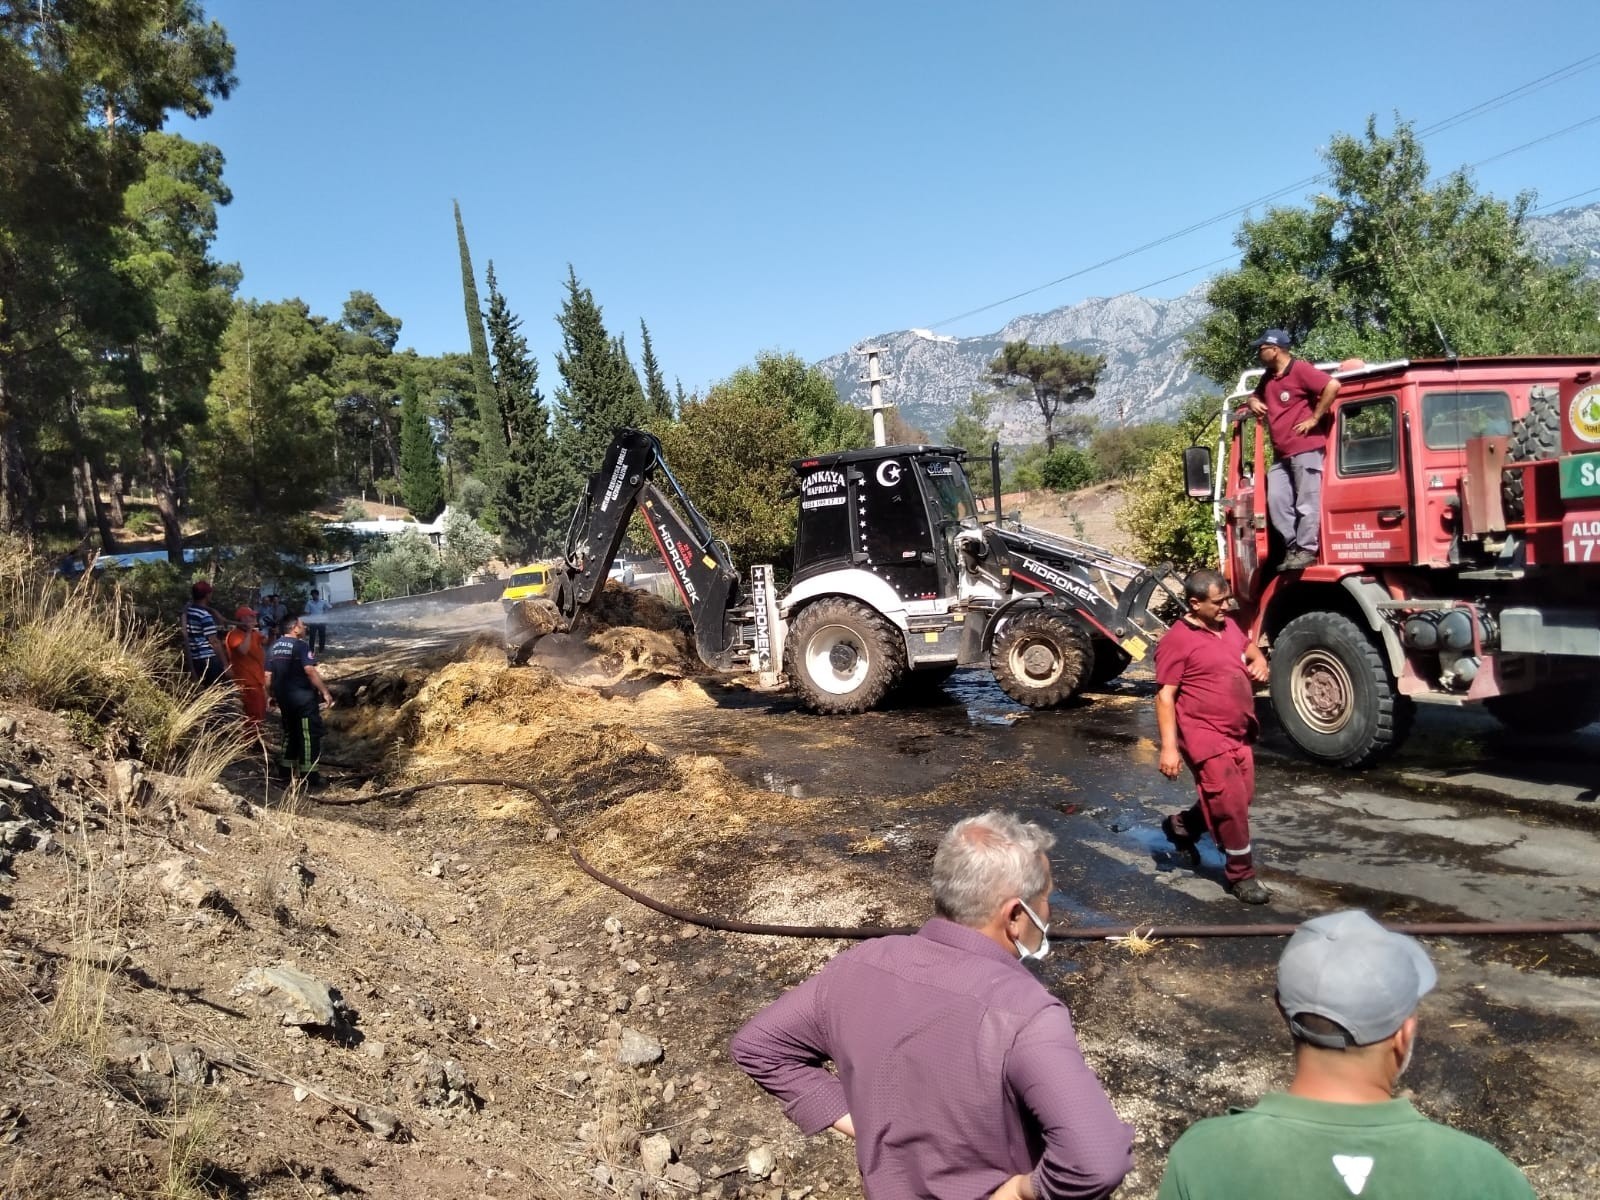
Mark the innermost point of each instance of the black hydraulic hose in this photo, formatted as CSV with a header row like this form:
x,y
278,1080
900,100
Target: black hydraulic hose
x,y
1083,933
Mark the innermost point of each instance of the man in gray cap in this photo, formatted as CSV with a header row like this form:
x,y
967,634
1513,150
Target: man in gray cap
x,y
1349,990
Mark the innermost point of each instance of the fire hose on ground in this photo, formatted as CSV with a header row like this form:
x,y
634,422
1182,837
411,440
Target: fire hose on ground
x,y
1085,933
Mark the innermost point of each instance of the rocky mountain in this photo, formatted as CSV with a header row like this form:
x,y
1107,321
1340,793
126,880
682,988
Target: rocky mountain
x,y
1142,338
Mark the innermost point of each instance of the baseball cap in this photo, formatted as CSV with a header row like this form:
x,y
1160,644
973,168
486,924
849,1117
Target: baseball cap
x,y
1272,337
1351,970
202,588
244,612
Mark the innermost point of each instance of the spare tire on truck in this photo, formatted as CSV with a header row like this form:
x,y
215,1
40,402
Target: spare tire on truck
x,y
1534,437
842,657
1332,691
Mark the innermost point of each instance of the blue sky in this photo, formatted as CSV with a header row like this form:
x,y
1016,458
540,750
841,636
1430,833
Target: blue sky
x,y
757,175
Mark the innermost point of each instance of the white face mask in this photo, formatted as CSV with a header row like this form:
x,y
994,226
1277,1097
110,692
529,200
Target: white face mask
x,y
1023,953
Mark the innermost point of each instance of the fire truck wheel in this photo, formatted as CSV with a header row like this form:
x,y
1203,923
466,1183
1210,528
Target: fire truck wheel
x,y
842,656
1110,660
1041,658
1555,708
1332,691
1533,437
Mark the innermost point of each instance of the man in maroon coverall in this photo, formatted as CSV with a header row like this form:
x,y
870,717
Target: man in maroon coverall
x,y
1206,712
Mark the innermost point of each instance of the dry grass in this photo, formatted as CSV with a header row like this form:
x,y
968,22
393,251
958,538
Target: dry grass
x,y
187,1136
78,649
1136,944
96,908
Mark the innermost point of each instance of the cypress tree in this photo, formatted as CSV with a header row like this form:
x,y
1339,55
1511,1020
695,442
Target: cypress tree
x,y
491,432
421,485
599,391
655,386
529,493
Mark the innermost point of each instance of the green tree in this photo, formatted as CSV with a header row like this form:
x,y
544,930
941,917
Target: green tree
x,y
529,500
1124,451
367,375
733,451
969,428
82,85
655,384
599,391
1165,525
1052,375
1383,263
420,480
403,565
270,410
1066,469
491,434
467,547
174,303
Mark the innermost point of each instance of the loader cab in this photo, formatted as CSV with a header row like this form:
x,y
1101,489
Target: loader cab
x,y
890,510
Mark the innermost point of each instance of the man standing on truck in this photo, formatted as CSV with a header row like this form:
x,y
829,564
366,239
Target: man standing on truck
x,y
1295,398
1206,711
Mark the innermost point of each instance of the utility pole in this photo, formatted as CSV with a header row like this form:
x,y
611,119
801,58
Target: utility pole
x,y
874,382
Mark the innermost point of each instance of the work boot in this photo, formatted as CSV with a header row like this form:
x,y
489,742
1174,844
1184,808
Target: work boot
x,y
1298,560
1186,847
1250,891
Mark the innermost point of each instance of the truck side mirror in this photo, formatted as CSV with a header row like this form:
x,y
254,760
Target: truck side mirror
x,y
1197,473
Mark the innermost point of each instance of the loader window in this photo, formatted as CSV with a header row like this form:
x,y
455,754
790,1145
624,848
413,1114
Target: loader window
x,y
1450,418
948,491
1367,441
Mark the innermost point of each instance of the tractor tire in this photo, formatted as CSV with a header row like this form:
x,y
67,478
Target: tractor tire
x,y
1332,691
1110,660
1555,708
1041,658
842,656
1533,437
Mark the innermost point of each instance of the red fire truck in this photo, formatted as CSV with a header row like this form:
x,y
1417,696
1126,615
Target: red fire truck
x,y
1460,559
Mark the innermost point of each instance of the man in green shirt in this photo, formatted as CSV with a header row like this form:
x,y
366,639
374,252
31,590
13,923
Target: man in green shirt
x,y
1349,990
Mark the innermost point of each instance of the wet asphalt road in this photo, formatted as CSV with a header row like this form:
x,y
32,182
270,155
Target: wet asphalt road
x,y
1324,838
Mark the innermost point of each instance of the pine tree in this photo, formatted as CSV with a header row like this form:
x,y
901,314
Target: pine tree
x,y
491,435
655,386
528,497
599,391
420,482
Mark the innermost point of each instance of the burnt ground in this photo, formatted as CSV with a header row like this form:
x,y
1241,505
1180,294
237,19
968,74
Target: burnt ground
x,y
464,938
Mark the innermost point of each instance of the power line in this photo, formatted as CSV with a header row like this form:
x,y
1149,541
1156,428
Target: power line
x,y
1566,200
1560,75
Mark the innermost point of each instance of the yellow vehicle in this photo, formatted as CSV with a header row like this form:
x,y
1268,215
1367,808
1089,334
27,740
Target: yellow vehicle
x,y
526,583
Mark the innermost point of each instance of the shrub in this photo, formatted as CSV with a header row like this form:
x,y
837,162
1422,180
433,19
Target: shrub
x,y
473,496
467,546
142,522
85,652
353,510
1066,469
1166,526
406,564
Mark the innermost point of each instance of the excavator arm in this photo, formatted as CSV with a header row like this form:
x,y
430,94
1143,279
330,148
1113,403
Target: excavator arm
x,y
697,561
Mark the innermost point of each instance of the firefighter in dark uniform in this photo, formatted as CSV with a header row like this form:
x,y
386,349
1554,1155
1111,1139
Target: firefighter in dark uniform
x,y
299,693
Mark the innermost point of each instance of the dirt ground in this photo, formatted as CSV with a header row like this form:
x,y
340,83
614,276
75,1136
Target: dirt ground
x,y
500,1024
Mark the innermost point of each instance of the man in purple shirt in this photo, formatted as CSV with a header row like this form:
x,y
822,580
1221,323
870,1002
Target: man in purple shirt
x,y
1294,397
958,1074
